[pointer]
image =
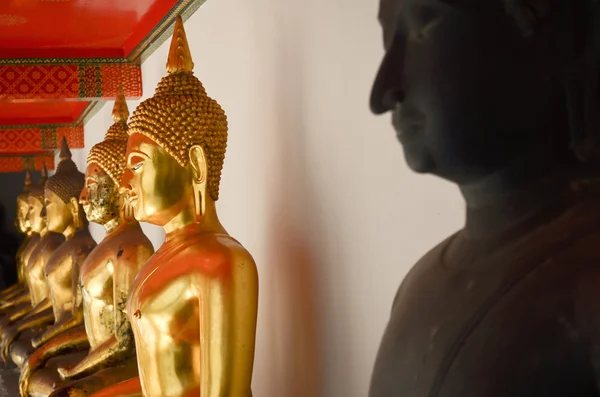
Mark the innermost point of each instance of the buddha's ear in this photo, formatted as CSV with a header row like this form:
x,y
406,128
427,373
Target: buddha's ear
x,y
526,13
74,205
198,163
199,181
76,213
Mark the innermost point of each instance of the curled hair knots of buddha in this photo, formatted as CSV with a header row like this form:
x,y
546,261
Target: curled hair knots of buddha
x,y
67,181
181,114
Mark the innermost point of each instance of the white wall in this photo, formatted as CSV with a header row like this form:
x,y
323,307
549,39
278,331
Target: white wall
x,y
314,185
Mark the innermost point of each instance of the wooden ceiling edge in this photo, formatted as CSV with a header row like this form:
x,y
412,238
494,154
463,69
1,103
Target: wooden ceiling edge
x,y
63,61
89,112
163,30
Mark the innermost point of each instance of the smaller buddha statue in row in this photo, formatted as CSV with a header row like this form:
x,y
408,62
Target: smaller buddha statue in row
x,y
103,332
22,225
61,270
29,311
19,293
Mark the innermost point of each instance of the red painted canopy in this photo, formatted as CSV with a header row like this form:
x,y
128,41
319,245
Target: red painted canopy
x,y
60,58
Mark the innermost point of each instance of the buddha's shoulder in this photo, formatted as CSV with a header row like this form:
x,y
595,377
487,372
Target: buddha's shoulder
x,y
215,255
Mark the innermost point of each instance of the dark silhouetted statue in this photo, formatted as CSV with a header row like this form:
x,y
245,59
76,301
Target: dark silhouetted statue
x,y
501,98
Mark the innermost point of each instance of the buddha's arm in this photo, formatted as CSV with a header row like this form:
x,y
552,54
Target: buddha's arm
x,y
21,288
41,318
16,314
76,317
12,333
232,322
15,300
108,354
44,305
122,344
74,320
73,340
7,293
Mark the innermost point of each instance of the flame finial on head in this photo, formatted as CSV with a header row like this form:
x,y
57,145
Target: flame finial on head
x,y
28,179
180,57
65,152
120,111
44,177
110,153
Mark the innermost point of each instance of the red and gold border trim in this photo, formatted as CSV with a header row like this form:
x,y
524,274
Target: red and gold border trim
x,y
70,81
19,163
33,138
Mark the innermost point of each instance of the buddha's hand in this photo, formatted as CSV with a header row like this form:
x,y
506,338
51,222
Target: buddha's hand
x,y
33,362
24,378
36,341
67,391
8,338
65,372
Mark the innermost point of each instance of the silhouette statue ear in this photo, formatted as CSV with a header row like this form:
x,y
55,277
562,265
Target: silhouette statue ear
x,y
199,170
526,13
582,53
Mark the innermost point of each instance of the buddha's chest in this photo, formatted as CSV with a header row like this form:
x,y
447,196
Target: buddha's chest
x,y
166,315
98,303
502,331
167,306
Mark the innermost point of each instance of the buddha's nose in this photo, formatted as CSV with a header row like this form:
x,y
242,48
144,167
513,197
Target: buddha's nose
x,y
388,89
125,186
83,197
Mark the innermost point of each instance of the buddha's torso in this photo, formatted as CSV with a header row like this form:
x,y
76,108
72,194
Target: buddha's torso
x,y
59,272
21,264
168,303
512,323
34,239
36,276
110,262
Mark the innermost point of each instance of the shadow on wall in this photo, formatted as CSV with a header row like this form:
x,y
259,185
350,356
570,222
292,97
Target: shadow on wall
x,y
293,294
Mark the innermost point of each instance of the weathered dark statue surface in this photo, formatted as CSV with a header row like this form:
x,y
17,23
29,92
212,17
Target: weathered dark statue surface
x,y
501,98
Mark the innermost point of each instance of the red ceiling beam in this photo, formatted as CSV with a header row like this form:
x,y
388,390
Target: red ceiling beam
x,y
19,163
68,79
35,138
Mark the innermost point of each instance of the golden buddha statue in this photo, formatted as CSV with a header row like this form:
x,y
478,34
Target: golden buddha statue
x,y
193,305
23,226
28,310
61,267
7,296
106,277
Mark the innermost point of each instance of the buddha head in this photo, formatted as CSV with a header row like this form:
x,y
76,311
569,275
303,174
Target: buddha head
x,y
63,210
475,85
22,219
177,144
36,200
100,196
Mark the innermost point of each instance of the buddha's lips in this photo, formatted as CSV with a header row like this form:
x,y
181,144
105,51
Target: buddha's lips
x,y
407,122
